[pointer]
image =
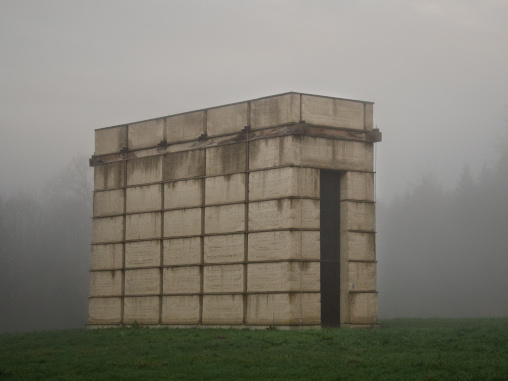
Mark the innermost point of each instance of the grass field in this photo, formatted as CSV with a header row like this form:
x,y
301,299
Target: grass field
x,y
403,349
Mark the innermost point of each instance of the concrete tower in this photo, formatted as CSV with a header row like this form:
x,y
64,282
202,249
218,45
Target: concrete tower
x,y
258,213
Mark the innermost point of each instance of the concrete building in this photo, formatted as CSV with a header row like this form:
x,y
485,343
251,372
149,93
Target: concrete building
x,y
258,213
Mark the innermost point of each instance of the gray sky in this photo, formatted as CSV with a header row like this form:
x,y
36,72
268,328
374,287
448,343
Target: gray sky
x,y
436,70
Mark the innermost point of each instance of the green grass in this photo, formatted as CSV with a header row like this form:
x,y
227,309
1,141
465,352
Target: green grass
x,y
403,349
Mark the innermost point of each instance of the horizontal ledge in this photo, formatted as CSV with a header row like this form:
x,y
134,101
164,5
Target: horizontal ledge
x,y
242,137
205,294
210,264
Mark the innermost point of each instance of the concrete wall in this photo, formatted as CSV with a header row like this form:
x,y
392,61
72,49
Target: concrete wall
x,y
212,217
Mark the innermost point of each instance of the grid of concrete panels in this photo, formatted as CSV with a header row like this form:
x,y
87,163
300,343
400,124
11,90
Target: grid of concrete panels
x,y
227,234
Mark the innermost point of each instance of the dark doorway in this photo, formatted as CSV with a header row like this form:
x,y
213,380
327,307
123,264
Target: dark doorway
x,y
330,247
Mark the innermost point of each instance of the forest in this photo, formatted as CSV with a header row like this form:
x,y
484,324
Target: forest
x,y
441,252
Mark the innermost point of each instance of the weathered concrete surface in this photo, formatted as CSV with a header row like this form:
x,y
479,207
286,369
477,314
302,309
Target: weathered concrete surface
x,y
224,248
362,276
283,309
185,126
284,245
222,309
284,182
283,276
226,119
108,203
357,186
144,198
274,152
107,229
145,170
181,280
142,310
146,134
182,251
183,222
106,257
223,278
225,219
357,216
225,189
275,111
183,194
109,176
142,282
333,112
105,283
180,309
363,307
183,165
226,159
104,310
284,214
110,140
142,254
358,246
143,226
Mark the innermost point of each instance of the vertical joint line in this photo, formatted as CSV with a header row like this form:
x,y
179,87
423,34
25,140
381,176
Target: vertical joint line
x,y
202,238
246,218
161,248
124,234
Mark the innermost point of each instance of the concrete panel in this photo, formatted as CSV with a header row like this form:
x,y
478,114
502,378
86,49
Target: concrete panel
x,y
225,219
107,229
358,246
337,154
332,112
284,309
274,152
225,189
278,245
357,186
369,116
222,309
362,276
284,182
180,309
227,119
142,310
110,140
144,199
310,308
275,111
283,214
226,159
223,278
363,308
183,165
224,248
108,203
181,280
106,283
104,310
283,276
182,251
357,216
106,257
144,170
185,126
108,176
143,226
142,254
182,194
146,134
269,309
181,223
142,282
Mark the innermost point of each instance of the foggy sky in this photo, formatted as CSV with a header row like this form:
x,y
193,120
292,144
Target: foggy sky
x,y
436,70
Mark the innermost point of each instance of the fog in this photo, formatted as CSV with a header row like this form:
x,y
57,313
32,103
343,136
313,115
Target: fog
x,y
436,70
